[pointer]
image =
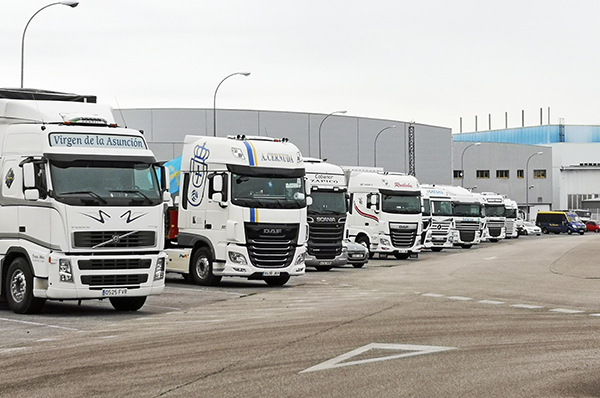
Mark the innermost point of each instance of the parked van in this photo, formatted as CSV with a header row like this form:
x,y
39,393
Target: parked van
x,y
559,221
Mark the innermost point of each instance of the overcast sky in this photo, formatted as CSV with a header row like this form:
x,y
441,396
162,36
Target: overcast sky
x,y
431,61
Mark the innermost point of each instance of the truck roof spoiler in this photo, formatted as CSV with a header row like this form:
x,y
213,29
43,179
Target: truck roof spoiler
x,y
43,95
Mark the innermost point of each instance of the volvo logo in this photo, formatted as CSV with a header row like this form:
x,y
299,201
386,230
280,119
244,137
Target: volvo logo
x,y
272,231
116,239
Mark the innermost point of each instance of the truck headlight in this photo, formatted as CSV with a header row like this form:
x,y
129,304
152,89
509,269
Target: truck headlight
x,y
159,272
237,258
384,242
64,270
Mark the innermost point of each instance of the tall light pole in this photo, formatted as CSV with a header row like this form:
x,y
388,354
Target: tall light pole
x,y
462,168
321,125
215,99
375,144
527,182
71,4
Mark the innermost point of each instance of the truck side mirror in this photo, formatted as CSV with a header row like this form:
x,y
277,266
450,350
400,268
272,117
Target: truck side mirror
x,y
30,190
218,188
165,179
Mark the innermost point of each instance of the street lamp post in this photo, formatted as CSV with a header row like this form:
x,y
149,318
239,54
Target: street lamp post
x,y
321,125
462,168
375,144
215,99
527,187
71,4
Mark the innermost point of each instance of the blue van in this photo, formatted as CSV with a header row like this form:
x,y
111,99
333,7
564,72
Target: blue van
x,y
560,221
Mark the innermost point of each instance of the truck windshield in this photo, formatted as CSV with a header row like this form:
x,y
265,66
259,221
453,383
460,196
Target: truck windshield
x,y
510,213
108,183
327,202
442,208
466,209
495,210
275,192
400,203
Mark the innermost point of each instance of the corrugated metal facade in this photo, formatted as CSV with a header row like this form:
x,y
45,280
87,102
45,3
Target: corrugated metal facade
x,y
536,135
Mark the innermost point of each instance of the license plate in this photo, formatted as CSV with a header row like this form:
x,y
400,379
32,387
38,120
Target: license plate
x,y
325,262
114,292
271,273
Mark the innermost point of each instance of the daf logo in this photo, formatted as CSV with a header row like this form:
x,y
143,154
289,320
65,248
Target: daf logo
x,y
402,226
272,231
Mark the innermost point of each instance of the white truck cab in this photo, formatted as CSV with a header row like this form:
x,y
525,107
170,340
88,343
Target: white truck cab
x,y
81,204
442,224
495,219
385,213
241,210
468,216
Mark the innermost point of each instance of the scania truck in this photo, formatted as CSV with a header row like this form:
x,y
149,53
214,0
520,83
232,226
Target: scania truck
x,y
442,225
81,204
240,210
385,213
326,215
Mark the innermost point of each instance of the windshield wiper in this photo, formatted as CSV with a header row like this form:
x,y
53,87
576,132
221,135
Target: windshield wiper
x,y
91,193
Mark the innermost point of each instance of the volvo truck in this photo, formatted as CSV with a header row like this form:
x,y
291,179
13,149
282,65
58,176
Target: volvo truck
x,y
81,204
240,210
326,215
385,213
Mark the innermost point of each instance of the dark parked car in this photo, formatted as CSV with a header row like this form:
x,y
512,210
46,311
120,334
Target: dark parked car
x,y
358,255
592,226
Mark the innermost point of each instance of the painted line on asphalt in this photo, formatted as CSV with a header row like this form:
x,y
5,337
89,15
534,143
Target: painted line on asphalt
x,y
460,298
565,311
493,302
432,295
39,324
527,306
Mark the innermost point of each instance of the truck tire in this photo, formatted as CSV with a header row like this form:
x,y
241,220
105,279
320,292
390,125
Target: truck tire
x,y
363,240
201,268
277,280
19,288
127,303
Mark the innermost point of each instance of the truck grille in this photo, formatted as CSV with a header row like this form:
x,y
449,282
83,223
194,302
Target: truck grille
x,y
271,245
467,230
113,280
403,235
114,239
325,239
440,228
114,263
495,227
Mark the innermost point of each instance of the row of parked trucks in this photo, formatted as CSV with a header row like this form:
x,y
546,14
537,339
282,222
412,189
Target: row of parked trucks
x,y
85,207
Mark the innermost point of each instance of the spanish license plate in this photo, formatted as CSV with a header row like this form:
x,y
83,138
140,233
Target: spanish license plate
x,y
114,292
271,273
325,262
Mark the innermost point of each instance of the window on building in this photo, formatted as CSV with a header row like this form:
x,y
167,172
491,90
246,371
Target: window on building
x,y
539,173
520,174
457,174
483,174
502,173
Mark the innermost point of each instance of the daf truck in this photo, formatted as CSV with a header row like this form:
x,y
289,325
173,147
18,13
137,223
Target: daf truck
x,y
495,219
326,215
240,210
385,213
81,204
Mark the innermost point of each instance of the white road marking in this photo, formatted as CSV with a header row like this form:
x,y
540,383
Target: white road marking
x,y
459,298
491,258
565,311
38,324
493,302
413,350
527,306
433,295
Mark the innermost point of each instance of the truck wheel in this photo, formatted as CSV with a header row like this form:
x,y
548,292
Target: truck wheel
x,y
19,289
277,280
363,240
201,269
127,303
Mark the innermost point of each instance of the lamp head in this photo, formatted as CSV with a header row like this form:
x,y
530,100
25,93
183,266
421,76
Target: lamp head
x,y
71,4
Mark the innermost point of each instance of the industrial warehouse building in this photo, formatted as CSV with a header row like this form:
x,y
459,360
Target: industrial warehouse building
x,y
547,167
